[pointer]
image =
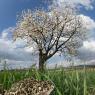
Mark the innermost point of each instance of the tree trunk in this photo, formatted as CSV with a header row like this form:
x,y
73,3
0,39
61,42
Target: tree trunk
x,y
42,60
41,64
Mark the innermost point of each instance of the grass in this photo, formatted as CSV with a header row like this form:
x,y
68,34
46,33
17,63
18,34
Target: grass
x,y
67,82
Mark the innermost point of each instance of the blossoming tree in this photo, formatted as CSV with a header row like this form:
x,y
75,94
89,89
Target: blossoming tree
x,y
54,31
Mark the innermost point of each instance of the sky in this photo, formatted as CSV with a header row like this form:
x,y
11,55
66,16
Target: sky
x,y
15,52
9,9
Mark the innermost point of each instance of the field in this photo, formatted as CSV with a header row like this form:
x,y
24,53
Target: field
x,y
67,82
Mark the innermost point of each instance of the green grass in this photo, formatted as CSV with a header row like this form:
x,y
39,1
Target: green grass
x,y
68,82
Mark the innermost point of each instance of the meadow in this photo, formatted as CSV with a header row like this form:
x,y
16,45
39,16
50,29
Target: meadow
x,y
66,81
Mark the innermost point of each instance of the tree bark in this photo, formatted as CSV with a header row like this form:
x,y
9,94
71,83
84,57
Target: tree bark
x,y
42,60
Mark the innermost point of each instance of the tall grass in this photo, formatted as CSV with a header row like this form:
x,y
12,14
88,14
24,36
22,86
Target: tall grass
x,y
67,82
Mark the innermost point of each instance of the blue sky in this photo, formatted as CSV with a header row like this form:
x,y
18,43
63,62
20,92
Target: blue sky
x,y
90,13
9,9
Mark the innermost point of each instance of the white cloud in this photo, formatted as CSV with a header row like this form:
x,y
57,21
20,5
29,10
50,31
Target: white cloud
x,y
89,45
88,22
13,50
87,51
77,3
16,54
6,33
90,25
28,49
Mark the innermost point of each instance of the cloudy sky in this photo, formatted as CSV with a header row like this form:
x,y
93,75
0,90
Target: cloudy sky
x,y
16,52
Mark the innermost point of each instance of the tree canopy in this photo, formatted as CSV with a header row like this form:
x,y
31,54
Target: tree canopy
x,y
53,31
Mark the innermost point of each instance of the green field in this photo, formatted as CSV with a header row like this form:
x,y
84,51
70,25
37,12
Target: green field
x,y
67,82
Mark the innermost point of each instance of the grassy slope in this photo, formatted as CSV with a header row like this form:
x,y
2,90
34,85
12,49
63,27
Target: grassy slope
x,y
75,82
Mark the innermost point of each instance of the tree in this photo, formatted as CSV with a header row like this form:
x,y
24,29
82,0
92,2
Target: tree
x,y
54,31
